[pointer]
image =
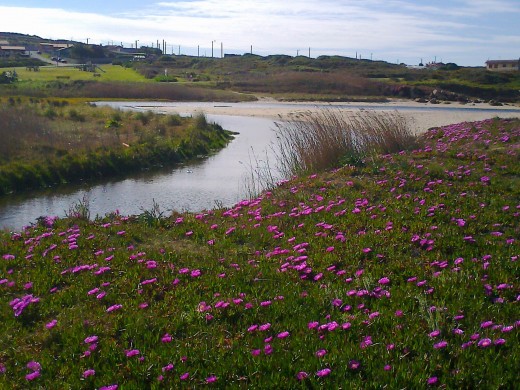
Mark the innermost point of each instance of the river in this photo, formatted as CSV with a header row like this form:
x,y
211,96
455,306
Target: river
x,y
218,180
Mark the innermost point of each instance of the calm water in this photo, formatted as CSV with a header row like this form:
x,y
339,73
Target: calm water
x,y
220,179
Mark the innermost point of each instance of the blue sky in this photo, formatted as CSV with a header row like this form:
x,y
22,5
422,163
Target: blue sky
x,y
467,32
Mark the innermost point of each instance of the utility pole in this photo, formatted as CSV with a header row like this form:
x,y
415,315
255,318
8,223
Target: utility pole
x,y
198,50
309,52
297,52
137,40
87,40
179,49
251,49
212,48
221,49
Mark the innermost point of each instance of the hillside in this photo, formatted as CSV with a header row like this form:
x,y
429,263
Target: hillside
x,y
399,273
326,78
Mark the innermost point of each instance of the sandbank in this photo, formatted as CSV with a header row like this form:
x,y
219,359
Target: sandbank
x,y
421,116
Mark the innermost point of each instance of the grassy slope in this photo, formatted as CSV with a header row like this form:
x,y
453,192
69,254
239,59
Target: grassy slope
x,y
399,273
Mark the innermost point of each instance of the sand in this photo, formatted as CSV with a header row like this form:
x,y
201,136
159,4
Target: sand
x,y
422,116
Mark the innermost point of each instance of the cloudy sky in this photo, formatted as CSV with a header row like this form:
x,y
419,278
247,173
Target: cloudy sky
x,y
467,32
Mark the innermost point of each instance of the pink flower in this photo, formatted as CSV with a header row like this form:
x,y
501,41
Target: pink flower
x,y
166,338
283,335
51,324
88,373
432,380
90,339
33,375
184,376
114,308
499,342
168,367
301,375
373,315
211,379
109,387
34,366
384,280
484,343
323,372
132,352
441,345
320,353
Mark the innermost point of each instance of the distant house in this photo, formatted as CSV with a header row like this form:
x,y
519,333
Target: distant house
x,y
434,65
53,48
503,65
10,51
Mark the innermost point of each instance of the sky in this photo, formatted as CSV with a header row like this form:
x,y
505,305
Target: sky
x,y
466,32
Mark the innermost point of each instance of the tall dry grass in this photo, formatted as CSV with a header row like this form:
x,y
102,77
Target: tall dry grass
x,y
316,141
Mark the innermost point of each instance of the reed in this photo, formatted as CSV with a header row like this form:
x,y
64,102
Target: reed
x,y
317,141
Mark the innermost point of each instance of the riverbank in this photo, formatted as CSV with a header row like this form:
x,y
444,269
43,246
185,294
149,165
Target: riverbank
x,y
422,116
49,143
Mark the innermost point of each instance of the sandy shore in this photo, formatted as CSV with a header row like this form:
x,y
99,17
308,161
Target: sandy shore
x,y
422,116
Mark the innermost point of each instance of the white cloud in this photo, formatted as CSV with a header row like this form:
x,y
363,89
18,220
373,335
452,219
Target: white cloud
x,y
383,27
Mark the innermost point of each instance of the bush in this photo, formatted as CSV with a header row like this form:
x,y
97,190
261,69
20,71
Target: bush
x,y
76,116
166,79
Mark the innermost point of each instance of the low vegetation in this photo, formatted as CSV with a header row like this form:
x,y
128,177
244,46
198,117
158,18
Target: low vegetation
x,y
401,273
51,141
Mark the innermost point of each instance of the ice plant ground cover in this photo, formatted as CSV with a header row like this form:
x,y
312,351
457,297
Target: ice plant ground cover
x,y
402,273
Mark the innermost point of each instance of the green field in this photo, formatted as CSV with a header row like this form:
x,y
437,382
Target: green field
x,y
107,73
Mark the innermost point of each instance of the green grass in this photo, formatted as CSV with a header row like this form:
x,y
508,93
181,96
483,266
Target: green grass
x,y
389,275
52,73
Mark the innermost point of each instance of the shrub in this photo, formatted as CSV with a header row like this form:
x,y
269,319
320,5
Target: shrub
x,y
76,116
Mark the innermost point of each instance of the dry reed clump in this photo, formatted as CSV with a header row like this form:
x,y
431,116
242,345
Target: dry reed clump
x,y
316,141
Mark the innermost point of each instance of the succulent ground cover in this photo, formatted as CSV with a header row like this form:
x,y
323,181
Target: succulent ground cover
x,y
402,272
